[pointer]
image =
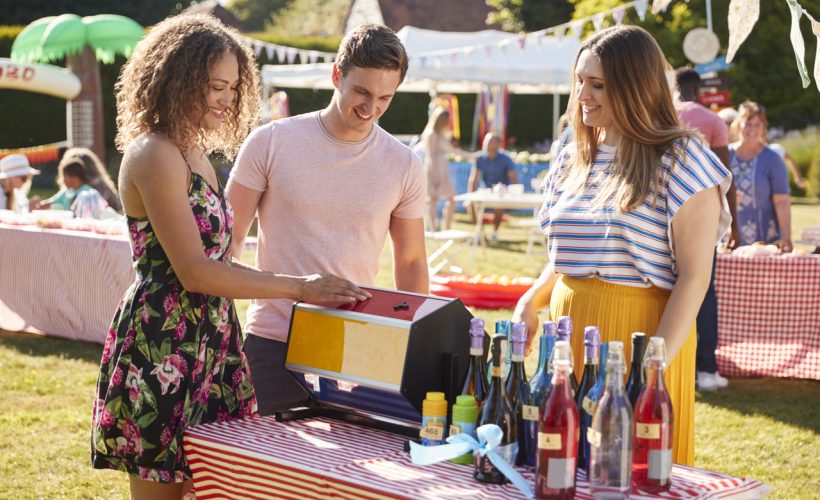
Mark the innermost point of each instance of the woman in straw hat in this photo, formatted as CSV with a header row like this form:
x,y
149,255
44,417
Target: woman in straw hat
x,y
15,180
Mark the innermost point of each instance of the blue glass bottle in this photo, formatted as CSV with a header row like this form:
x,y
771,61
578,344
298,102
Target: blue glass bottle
x,y
591,399
518,390
542,378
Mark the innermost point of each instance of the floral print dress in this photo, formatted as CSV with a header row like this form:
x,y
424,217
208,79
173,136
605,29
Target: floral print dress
x,y
172,358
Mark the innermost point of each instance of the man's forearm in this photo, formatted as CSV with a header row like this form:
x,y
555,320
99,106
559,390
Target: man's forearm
x,y
412,276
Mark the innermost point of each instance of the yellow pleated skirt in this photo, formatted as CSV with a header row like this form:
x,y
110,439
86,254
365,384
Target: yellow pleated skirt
x,y
618,311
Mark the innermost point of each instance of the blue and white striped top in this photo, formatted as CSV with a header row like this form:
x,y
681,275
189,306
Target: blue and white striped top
x,y
633,248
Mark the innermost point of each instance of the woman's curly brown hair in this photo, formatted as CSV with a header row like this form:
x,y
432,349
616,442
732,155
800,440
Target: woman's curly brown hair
x,y
166,79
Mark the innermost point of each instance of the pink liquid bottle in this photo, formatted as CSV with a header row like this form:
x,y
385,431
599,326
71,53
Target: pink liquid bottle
x,y
654,424
558,431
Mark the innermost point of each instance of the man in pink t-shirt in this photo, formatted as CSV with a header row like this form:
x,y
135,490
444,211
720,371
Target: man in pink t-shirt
x,y
329,186
716,132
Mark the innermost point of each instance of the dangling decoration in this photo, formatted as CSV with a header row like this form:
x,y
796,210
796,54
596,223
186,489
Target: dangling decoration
x,y
618,15
815,28
640,8
659,6
797,41
743,15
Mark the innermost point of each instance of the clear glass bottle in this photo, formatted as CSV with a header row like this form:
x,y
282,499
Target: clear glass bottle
x,y
610,436
558,429
654,425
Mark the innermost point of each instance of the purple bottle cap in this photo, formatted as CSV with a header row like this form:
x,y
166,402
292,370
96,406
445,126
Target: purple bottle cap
x,y
550,329
477,333
519,338
592,336
564,328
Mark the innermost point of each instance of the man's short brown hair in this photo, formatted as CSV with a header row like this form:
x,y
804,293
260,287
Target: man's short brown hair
x,y
372,46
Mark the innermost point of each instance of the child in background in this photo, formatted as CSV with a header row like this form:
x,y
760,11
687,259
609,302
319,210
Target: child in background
x,y
15,182
73,180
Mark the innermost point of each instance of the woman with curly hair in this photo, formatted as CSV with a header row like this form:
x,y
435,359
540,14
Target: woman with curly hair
x,y
633,209
173,357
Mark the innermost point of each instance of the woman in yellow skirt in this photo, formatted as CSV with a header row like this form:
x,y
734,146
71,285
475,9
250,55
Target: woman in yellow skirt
x,y
633,210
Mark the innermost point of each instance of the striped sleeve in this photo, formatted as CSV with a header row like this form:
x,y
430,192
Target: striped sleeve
x,y
697,169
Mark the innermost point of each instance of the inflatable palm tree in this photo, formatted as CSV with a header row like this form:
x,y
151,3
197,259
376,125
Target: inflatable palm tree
x,y
82,42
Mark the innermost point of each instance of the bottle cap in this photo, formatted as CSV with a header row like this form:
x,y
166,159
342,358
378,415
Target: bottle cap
x,y
656,351
564,329
519,332
465,409
502,327
477,333
561,352
434,405
615,356
592,336
550,329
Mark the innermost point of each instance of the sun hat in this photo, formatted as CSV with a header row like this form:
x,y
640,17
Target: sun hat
x,y
15,165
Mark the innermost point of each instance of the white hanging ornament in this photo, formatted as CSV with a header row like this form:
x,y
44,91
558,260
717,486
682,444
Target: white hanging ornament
x,y
743,14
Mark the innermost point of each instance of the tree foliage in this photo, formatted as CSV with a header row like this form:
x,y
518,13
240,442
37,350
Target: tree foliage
x,y
310,18
256,14
145,12
764,69
528,15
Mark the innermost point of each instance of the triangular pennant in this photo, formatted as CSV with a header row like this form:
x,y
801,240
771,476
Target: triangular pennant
x,y
618,15
577,27
659,6
280,54
257,48
797,42
313,56
815,28
303,56
598,21
559,32
437,62
423,61
488,49
522,41
743,15
454,58
329,57
269,51
503,45
640,8
469,51
290,54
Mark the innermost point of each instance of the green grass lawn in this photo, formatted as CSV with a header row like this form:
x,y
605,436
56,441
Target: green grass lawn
x,y
766,429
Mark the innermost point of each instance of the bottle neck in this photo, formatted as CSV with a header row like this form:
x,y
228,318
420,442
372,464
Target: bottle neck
x,y
615,381
544,351
654,374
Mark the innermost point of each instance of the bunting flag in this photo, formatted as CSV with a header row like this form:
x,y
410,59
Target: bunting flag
x,y
598,21
618,15
280,54
659,6
290,54
743,14
269,50
303,56
577,27
815,28
257,48
797,42
640,8
522,41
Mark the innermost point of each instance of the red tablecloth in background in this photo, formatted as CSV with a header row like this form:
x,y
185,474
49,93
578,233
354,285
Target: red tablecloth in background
x,y
768,316
321,458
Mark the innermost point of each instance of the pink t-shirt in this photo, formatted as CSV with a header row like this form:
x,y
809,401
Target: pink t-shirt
x,y
326,204
705,121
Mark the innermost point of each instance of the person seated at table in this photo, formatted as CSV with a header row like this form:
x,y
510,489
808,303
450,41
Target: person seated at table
x,y
492,167
72,180
436,140
762,182
634,207
15,180
173,355
97,175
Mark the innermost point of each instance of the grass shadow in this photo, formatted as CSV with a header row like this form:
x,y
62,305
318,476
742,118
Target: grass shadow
x,y
33,344
791,401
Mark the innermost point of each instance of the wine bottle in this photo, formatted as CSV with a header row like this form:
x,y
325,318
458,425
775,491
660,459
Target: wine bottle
x,y
565,333
591,399
558,429
654,424
518,390
635,381
476,383
542,378
502,327
610,436
497,410
592,342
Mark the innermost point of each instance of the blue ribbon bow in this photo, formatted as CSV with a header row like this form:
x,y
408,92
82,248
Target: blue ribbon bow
x,y
489,439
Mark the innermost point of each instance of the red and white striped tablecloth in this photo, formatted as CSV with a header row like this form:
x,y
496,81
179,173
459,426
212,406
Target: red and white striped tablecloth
x,y
61,283
322,458
768,316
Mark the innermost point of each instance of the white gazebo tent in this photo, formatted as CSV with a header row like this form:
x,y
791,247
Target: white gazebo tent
x,y
461,63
